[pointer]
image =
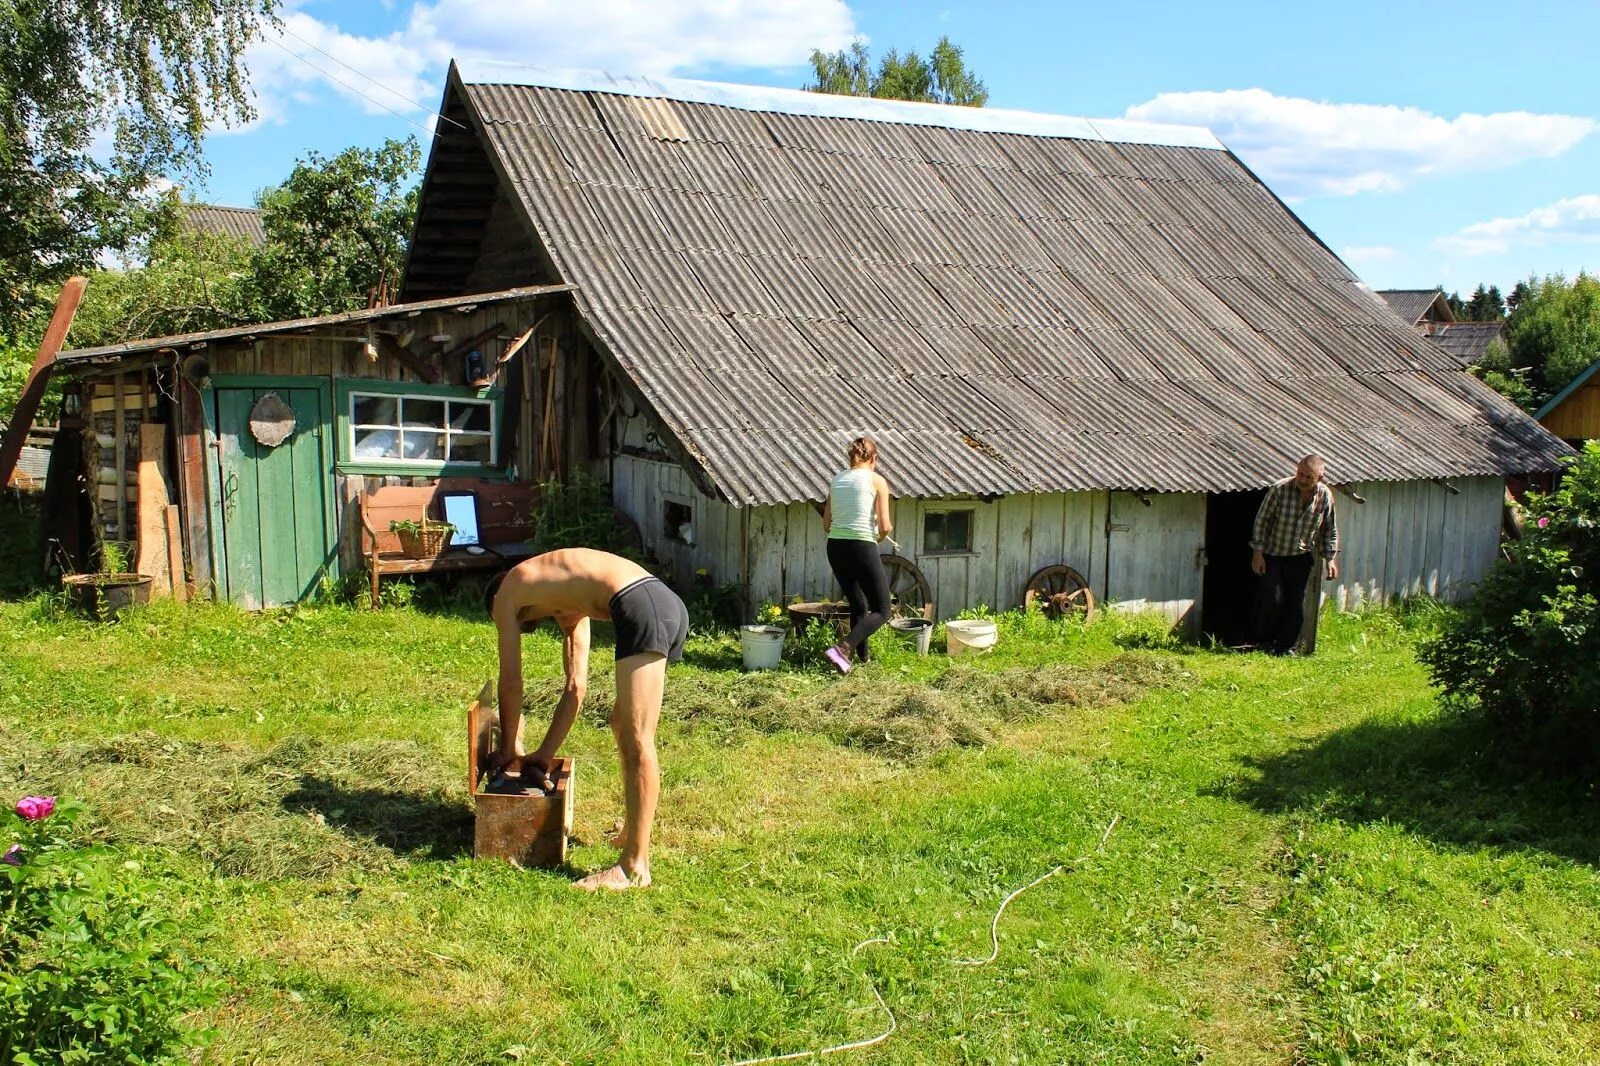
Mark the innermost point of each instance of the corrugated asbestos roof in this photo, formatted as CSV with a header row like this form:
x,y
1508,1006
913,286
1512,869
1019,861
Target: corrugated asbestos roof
x,y
1410,304
1466,341
1003,313
241,222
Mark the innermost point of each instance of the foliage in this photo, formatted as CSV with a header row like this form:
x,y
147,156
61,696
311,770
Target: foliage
x,y
1555,331
713,607
416,528
89,970
1485,304
941,78
578,512
149,75
1498,371
336,231
189,282
1526,648
115,557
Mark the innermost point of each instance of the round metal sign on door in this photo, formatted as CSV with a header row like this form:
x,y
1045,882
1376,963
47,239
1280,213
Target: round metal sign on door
x,y
271,420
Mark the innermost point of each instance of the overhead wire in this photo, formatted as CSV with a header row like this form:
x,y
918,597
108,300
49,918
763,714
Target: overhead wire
x,y
376,103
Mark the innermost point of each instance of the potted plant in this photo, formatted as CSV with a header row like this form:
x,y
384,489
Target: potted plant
x,y
104,595
420,540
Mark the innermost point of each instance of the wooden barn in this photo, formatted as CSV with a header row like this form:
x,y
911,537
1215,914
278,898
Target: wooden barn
x,y
1078,343
235,462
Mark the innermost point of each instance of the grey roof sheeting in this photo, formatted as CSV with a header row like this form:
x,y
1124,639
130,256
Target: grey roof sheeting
x,y
1003,312
1410,304
243,223
1466,341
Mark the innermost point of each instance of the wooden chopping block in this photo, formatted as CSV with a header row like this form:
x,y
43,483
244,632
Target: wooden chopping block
x,y
528,828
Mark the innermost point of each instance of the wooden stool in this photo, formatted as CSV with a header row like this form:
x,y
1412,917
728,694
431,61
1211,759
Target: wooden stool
x,y
527,828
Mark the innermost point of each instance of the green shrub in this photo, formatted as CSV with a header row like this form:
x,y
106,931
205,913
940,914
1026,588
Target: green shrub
x,y
89,972
1526,648
578,514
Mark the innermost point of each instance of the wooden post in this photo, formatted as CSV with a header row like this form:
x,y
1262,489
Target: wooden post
x,y
120,443
39,377
192,487
153,558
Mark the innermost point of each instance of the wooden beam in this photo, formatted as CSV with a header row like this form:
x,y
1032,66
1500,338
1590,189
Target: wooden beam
x,y
120,443
418,365
39,377
192,480
471,342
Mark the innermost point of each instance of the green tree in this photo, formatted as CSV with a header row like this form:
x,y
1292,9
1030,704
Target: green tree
x,y
1485,305
1555,331
941,78
336,230
99,100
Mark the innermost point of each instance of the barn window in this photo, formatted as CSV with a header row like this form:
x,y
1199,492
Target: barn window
x,y
419,429
946,531
677,521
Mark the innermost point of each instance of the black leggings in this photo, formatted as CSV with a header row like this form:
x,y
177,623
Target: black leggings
x,y
860,573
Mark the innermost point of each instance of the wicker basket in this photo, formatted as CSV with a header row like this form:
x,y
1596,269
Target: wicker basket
x,y
424,543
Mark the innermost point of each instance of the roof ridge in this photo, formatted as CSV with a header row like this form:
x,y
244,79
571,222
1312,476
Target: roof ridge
x,y
826,105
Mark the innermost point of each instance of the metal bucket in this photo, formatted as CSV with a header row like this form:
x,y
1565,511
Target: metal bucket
x,y
763,646
917,630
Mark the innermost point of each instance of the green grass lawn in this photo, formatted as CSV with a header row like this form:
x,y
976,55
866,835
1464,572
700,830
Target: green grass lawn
x,y
1312,863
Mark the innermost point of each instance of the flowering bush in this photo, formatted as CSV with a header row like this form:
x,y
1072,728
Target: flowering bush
x,y
88,971
1526,647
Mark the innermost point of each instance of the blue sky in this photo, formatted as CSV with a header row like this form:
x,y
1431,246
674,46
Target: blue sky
x,y
1422,143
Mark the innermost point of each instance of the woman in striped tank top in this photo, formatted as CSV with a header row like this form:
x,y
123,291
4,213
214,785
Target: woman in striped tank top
x,y
856,518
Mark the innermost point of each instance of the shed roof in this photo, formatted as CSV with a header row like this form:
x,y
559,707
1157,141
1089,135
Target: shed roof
x,y
1413,305
241,222
111,353
1003,310
1583,377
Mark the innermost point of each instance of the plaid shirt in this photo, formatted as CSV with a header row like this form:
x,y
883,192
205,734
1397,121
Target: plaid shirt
x,y
1285,526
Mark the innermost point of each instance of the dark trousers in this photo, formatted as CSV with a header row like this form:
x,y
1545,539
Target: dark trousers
x,y
1280,600
859,570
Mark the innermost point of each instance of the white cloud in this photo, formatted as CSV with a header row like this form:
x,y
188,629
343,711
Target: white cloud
x,y
1313,148
404,70
1369,253
1576,218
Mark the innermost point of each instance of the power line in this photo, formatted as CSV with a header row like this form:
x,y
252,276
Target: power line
x,y
369,77
377,103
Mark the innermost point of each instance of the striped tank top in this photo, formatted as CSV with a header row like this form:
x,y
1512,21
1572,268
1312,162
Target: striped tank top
x,y
853,499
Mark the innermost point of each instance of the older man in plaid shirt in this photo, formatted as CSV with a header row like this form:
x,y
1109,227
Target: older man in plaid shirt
x,y
1294,524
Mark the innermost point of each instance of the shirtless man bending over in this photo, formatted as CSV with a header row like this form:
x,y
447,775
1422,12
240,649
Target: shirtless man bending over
x,y
572,586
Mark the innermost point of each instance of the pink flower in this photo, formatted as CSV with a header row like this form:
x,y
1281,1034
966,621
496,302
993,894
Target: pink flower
x,y
1543,522
34,808
13,855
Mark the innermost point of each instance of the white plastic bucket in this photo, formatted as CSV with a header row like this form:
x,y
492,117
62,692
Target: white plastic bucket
x,y
763,646
918,630
969,636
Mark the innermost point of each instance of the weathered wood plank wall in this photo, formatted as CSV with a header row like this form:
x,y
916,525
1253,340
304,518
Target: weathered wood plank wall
x,y
1415,538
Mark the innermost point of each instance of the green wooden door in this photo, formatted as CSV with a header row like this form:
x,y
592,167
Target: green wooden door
x,y
274,505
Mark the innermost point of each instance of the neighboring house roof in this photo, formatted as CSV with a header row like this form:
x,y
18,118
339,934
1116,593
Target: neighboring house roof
x,y
1571,387
112,353
241,222
1466,341
1414,305
1006,302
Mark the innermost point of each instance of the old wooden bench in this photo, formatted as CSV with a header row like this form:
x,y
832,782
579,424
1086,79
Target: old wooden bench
x,y
505,519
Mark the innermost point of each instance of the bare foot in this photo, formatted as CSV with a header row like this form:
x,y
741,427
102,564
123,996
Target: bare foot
x,y
615,878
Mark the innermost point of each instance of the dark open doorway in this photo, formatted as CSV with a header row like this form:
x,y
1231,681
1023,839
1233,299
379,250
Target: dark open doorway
x,y
1229,592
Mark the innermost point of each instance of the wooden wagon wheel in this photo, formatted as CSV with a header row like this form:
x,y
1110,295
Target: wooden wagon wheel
x,y
1059,590
910,595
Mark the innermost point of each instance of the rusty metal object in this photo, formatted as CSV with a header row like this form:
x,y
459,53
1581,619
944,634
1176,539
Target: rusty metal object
x,y
1059,591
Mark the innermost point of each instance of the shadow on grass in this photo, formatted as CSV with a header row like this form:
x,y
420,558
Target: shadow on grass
x,y
411,825
1445,778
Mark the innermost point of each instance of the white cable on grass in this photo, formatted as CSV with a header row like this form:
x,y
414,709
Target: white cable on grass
x,y
994,926
994,953
880,1038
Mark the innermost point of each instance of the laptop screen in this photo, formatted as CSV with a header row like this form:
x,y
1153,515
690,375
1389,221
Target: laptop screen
x,y
461,511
